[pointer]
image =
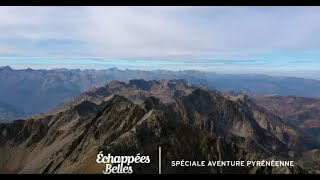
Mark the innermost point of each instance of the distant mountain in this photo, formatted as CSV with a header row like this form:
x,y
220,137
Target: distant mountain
x,y
303,112
188,122
224,82
137,90
37,91
9,113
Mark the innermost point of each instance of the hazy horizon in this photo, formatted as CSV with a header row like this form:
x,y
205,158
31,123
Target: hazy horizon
x,y
143,65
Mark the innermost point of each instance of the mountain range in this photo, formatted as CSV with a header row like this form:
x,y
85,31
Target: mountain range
x,y
31,91
190,122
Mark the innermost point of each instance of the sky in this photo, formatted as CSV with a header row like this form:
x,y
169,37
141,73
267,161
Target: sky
x,y
270,40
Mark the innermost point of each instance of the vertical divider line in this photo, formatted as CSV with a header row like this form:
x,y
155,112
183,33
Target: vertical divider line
x,y
159,160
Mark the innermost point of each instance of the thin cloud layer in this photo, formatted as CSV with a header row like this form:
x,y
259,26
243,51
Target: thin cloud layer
x,y
159,32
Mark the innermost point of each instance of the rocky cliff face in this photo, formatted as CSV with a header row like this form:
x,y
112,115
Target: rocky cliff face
x,y
188,123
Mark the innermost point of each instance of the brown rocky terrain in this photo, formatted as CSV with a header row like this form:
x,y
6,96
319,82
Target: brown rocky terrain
x,y
125,119
303,112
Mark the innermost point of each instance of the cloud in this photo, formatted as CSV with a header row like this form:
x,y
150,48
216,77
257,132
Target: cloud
x,y
7,49
162,32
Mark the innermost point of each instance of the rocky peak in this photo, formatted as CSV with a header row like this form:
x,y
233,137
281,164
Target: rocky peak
x,y
85,107
115,84
151,103
141,84
6,69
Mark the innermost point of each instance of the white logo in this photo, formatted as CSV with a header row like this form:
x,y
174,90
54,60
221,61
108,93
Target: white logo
x,y
120,164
